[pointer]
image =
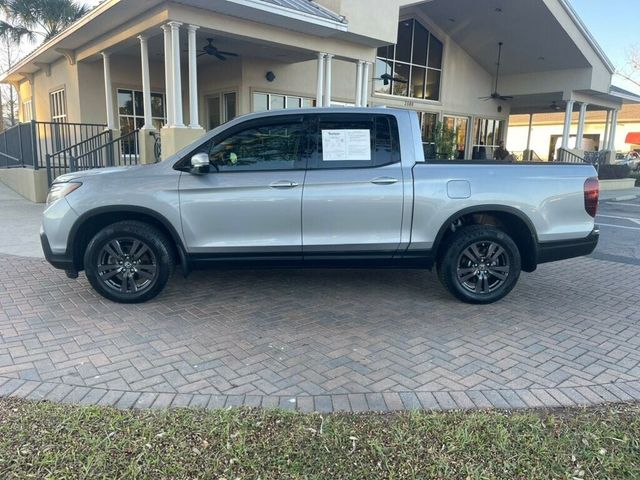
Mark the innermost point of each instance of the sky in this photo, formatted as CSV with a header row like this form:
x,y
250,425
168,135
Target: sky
x,y
614,24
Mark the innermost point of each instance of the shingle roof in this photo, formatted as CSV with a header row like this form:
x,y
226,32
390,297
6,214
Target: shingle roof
x,y
309,7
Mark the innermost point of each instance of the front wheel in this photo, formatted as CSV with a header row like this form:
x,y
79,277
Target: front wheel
x,y
129,262
481,264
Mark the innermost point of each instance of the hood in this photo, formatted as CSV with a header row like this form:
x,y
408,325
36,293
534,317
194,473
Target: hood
x,y
69,177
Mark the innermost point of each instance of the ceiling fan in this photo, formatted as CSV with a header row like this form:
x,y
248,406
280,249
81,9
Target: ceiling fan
x,y
210,49
495,95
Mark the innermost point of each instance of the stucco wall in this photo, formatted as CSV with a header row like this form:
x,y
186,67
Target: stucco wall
x,y
64,76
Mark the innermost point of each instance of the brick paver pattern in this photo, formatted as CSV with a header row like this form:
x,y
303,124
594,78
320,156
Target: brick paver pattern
x,y
323,340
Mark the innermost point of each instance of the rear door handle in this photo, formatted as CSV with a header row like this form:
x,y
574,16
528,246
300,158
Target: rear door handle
x,y
384,181
283,184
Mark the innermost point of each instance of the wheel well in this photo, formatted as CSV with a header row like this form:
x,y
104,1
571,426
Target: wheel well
x,y
88,229
510,223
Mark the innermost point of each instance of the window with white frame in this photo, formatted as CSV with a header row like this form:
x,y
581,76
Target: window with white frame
x,y
413,66
263,102
58,103
131,110
27,110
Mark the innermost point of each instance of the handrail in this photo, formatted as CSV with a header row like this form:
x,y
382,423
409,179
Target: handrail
x,y
73,124
108,144
567,156
72,147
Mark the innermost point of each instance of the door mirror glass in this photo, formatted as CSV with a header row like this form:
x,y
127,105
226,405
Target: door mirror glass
x,y
200,164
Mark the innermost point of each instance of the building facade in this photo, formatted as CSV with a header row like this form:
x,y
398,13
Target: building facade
x,y
181,68
547,129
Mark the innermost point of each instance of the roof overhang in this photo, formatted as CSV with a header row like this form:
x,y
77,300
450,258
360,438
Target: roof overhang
x,y
111,14
538,35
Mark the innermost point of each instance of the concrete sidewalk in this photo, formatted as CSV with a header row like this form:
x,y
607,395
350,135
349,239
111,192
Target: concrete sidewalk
x,y
19,224
620,195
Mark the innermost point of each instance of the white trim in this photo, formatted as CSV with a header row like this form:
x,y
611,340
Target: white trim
x,y
293,14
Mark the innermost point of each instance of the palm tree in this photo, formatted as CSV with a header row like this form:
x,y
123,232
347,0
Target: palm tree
x,y
33,19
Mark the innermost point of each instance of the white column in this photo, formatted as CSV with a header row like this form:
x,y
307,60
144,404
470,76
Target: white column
x,y
529,137
327,80
177,75
614,127
359,78
365,84
581,121
108,91
168,75
604,144
193,77
146,82
567,124
320,84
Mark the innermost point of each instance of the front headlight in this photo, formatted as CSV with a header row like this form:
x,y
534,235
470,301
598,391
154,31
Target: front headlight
x,y
61,190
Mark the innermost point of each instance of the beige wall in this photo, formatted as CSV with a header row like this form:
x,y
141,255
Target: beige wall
x,y
62,75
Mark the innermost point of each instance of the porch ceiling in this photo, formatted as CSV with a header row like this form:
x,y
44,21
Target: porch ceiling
x,y
534,40
241,46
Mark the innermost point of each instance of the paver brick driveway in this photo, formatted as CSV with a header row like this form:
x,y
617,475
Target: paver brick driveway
x,y
324,340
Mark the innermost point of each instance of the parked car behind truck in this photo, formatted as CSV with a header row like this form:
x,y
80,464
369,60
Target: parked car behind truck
x,y
318,188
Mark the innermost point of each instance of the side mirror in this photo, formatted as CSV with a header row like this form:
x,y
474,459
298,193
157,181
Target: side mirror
x,y
200,164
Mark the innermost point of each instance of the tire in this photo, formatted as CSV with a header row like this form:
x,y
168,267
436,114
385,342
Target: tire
x,y
465,272
129,262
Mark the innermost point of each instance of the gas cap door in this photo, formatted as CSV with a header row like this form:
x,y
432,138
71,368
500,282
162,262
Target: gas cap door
x,y
457,189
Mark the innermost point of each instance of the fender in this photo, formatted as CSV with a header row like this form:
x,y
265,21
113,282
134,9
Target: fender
x,y
131,209
489,208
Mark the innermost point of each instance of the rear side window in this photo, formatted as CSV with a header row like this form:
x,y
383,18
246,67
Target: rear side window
x,y
355,141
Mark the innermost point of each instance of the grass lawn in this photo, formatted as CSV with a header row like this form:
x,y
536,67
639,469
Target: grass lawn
x,y
42,440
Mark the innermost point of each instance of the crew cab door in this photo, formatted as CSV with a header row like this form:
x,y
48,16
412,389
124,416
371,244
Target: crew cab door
x,y
353,193
250,202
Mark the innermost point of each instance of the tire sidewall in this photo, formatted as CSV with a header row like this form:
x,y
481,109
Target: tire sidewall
x,y
147,234
467,236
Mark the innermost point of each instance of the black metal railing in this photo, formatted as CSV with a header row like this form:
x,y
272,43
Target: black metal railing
x,y
96,152
17,147
54,137
597,159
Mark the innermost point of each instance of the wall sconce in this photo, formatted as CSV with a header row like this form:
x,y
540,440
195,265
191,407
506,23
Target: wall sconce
x,y
270,76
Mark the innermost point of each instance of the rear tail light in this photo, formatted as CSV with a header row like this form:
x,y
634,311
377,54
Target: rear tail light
x,y
591,194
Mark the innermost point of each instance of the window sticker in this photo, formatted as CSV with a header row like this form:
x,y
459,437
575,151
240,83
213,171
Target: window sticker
x,y
346,145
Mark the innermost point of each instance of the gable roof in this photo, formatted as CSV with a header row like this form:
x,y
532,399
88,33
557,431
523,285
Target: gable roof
x,y
309,7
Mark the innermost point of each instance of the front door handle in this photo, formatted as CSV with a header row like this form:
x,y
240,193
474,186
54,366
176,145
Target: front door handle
x,y
283,184
384,181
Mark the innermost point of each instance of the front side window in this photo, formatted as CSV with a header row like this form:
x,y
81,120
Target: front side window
x,y
413,66
267,147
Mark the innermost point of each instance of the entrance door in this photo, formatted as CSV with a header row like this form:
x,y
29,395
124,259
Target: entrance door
x,y
353,193
251,201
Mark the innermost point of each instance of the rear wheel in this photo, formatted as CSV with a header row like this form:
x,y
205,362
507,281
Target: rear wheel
x,y
481,264
129,262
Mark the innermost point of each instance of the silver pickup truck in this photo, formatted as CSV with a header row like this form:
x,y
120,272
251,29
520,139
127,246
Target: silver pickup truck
x,y
330,188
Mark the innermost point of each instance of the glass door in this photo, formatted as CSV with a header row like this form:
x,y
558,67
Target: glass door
x,y
460,125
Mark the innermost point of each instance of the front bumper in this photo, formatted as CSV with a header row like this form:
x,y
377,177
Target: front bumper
x,y
62,261
564,249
